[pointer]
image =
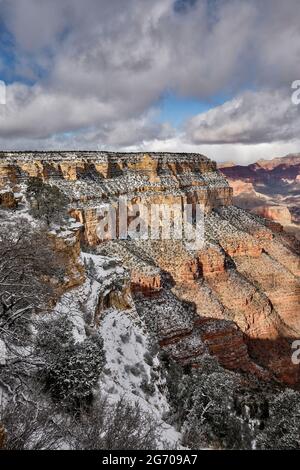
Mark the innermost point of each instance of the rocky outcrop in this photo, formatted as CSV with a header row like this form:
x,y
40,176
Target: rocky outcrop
x,y
280,214
226,341
242,187
147,284
212,261
89,220
95,178
67,244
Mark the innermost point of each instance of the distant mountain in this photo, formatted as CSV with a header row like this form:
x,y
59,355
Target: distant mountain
x,y
289,160
270,188
278,169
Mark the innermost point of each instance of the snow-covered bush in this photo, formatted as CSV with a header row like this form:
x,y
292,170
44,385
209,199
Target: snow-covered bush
x,y
203,405
102,426
54,336
121,426
73,376
33,425
71,370
211,419
47,202
28,269
27,265
282,429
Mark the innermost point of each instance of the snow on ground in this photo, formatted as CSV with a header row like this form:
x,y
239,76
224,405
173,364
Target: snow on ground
x,y
85,298
129,366
131,372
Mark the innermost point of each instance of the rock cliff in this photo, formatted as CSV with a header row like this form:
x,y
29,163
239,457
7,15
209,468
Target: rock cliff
x,y
237,297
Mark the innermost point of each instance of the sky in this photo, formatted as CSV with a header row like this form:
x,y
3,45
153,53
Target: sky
x,y
207,76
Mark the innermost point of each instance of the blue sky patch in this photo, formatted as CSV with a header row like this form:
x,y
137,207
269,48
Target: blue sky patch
x,y
176,110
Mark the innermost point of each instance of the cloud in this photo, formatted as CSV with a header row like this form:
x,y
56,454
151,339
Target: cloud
x,y
238,153
251,117
98,69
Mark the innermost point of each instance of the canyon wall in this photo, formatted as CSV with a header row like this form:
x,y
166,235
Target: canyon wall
x,y
236,298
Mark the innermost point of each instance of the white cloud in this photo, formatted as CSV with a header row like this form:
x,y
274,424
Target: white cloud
x,y
238,153
251,117
101,66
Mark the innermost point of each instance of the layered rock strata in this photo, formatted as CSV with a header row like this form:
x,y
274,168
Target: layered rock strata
x,y
237,297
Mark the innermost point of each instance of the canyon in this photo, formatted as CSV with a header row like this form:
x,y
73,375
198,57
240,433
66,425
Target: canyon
x,y
269,188
236,298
